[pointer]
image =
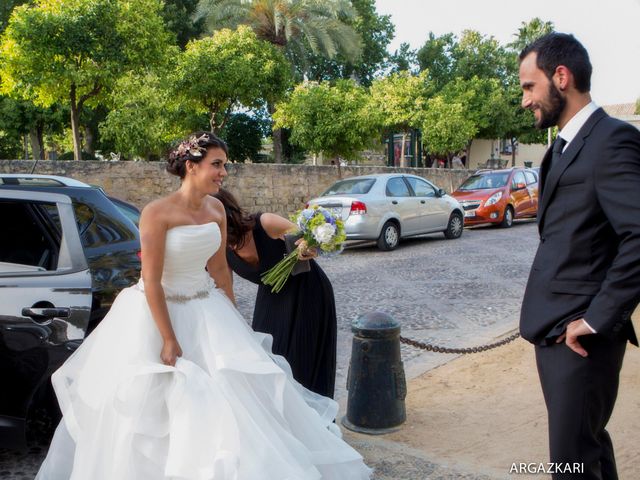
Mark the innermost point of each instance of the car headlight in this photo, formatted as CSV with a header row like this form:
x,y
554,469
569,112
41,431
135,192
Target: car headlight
x,y
495,198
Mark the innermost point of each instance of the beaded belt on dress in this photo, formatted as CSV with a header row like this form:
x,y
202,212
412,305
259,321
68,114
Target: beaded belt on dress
x,y
185,298
180,298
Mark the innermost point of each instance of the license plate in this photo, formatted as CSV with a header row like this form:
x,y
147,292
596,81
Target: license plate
x,y
470,213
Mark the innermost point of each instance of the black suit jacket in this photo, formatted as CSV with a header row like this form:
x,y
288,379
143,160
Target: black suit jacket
x,y
588,260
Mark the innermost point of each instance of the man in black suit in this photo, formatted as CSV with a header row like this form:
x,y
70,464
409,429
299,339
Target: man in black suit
x,y
585,279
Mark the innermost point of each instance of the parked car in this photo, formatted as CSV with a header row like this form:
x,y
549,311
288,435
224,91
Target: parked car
x,y
499,196
65,252
130,210
388,207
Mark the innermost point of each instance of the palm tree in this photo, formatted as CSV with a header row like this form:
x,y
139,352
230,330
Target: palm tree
x,y
296,26
529,31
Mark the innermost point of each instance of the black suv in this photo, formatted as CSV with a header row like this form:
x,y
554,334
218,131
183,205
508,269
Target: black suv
x,y
65,252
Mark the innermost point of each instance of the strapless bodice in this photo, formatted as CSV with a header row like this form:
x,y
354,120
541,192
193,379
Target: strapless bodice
x,y
187,249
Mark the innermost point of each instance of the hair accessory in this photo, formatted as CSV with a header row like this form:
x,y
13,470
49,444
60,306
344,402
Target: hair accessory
x,y
190,147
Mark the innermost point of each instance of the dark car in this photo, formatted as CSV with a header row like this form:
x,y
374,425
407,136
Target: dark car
x,y
131,211
65,252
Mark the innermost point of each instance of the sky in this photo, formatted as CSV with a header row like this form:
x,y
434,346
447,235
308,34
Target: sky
x,y
607,28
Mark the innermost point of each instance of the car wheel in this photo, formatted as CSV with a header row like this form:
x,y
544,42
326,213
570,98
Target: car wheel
x,y
389,236
454,227
507,219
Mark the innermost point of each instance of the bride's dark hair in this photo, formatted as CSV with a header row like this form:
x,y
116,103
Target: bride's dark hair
x,y
194,148
239,221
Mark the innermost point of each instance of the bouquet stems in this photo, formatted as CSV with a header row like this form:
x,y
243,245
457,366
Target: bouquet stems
x,y
278,275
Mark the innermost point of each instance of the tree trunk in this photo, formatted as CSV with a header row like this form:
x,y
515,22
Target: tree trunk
x,y
403,161
25,142
75,125
212,122
37,147
88,141
276,137
513,151
467,164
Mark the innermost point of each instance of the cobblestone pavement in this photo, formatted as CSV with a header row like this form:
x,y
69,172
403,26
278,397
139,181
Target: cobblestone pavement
x,y
455,293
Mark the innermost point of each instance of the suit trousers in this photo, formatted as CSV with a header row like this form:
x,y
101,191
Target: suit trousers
x,y
580,394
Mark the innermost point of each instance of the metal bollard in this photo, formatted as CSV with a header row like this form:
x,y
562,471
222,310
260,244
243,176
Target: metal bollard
x,y
376,382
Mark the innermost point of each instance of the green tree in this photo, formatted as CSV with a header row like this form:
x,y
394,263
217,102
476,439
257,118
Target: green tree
x,y
404,59
232,68
335,120
446,126
292,25
288,23
638,106
73,52
179,17
473,55
375,32
243,134
146,117
399,101
436,57
6,7
484,102
476,55
20,119
529,31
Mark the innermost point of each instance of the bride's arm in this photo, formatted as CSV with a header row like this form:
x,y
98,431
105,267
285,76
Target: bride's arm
x,y
217,265
153,230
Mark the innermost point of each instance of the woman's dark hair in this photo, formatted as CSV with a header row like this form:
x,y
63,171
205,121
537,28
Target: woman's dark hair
x,y
194,148
554,49
239,221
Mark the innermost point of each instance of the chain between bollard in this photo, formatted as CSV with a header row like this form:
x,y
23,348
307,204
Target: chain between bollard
x,y
438,349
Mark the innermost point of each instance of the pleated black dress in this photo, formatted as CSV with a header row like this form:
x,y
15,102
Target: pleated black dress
x,y
301,317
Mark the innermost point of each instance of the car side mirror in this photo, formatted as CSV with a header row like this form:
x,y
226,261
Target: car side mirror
x,y
441,193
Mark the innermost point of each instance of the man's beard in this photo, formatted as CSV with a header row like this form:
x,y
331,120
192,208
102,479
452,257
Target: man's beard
x,y
552,109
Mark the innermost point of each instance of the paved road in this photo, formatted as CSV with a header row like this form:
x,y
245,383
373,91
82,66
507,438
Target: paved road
x,y
459,293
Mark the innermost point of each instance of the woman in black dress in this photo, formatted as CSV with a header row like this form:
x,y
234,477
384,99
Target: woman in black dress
x,y
302,316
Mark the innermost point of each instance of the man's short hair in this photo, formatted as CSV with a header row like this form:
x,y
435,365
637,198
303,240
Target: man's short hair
x,y
554,49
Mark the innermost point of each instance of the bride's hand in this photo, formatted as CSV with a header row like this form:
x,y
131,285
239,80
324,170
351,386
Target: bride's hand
x,y
170,352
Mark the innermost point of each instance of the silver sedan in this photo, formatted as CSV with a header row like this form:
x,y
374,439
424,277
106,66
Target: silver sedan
x,y
387,207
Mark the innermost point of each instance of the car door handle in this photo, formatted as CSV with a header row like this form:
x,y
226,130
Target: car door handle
x,y
47,313
423,201
395,202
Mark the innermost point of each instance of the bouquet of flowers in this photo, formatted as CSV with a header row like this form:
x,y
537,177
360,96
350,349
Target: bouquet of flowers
x,y
318,229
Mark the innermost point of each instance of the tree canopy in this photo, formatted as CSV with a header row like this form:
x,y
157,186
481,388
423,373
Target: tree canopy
x,y
334,120
232,68
72,52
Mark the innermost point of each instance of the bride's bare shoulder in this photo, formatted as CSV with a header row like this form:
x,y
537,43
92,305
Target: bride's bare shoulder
x,y
215,204
157,213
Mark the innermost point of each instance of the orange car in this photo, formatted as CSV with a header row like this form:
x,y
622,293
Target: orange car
x,y
498,196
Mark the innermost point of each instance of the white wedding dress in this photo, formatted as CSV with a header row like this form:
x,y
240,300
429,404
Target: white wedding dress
x,y
229,409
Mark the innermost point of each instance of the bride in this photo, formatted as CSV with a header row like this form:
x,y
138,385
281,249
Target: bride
x,y
173,384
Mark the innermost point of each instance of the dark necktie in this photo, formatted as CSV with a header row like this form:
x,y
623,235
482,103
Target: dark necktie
x,y
556,153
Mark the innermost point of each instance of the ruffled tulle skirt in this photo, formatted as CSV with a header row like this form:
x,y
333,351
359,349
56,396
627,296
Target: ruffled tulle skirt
x,y
229,409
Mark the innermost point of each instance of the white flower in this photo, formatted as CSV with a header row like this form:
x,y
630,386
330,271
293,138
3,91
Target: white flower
x,y
324,233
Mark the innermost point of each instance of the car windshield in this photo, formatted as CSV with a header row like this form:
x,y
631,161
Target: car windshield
x,y
481,181
350,187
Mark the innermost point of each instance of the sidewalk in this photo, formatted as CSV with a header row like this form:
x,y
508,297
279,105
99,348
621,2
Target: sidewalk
x,y
473,417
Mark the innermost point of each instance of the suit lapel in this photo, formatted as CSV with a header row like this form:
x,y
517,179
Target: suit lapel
x,y
551,176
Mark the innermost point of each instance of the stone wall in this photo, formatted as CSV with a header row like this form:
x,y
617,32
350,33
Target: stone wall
x,y
279,188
